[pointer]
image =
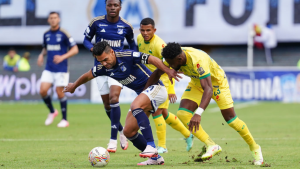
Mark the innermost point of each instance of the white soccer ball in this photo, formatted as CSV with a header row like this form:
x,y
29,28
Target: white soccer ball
x,y
99,157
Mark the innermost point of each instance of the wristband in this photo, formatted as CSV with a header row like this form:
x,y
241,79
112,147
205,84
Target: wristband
x,y
199,111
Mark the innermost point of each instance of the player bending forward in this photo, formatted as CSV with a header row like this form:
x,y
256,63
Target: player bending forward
x,y
127,68
208,80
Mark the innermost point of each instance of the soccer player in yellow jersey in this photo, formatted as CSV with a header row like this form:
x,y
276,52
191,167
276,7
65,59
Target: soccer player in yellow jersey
x,y
208,80
151,44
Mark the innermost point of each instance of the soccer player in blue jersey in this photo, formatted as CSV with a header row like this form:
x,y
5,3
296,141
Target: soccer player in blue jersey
x,y
56,43
113,29
127,67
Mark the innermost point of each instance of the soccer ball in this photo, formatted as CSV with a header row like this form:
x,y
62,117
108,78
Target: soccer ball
x,y
99,157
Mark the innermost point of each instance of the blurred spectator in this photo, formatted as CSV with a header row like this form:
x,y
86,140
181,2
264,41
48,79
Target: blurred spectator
x,y
23,64
10,61
268,38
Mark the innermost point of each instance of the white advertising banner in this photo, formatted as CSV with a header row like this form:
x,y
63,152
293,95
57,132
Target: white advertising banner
x,y
183,21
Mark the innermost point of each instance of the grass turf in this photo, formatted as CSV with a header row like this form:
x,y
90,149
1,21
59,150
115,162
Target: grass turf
x,y
25,142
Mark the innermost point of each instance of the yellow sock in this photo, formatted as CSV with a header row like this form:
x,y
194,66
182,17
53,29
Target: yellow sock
x,y
176,124
185,116
160,125
242,129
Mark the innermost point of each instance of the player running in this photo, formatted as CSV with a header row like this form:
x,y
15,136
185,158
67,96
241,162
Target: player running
x,y
56,42
150,43
113,29
208,80
127,67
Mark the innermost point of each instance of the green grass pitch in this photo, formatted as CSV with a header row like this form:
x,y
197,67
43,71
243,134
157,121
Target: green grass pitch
x,y
25,142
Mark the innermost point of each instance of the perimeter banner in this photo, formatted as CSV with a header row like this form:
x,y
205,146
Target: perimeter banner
x,y
183,21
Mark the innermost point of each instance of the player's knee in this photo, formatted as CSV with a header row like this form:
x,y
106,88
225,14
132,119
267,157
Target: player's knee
x,y
43,92
113,99
128,132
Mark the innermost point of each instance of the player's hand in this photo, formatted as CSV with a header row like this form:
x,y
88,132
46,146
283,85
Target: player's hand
x,y
40,60
57,59
70,88
172,98
195,123
173,74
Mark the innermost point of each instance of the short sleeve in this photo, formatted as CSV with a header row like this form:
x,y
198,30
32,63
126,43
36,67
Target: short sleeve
x,y
139,57
90,30
97,70
158,48
44,41
202,67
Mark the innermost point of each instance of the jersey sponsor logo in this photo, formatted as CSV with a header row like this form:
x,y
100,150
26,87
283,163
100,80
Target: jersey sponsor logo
x,y
102,25
120,26
128,80
111,74
123,68
103,30
120,31
48,39
200,70
144,58
113,43
53,47
99,67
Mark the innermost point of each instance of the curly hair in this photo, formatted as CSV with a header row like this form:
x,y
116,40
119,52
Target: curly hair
x,y
171,50
119,0
101,47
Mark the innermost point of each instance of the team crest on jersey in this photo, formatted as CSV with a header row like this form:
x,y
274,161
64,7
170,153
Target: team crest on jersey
x,y
123,68
58,39
120,31
201,70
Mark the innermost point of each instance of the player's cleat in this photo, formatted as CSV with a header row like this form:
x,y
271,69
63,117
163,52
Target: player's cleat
x,y
149,152
258,157
112,146
189,142
123,142
63,123
51,117
151,161
161,150
211,151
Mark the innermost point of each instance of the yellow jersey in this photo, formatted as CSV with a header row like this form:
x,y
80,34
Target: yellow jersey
x,y
200,65
154,47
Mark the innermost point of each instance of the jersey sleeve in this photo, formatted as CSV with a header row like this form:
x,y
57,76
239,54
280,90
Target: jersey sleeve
x,y
158,48
130,39
202,67
97,70
44,41
90,30
139,57
70,41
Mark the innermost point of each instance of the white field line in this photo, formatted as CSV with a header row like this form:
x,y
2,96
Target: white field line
x,y
238,106
102,139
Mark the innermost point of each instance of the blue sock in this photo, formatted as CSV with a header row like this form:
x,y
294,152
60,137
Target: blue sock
x,y
115,116
48,103
63,106
108,114
138,141
144,125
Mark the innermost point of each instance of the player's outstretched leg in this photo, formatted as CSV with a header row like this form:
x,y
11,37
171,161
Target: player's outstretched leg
x,y
241,127
185,115
176,124
161,132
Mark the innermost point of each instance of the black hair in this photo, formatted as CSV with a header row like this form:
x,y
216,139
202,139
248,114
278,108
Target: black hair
x,y
171,50
119,0
53,12
101,47
10,49
147,21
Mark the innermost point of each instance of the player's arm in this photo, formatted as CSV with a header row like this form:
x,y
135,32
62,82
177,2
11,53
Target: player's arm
x,y
69,41
40,59
160,65
130,39
81,80
155,76
88,36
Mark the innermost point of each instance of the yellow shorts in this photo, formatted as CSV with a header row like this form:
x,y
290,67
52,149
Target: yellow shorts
x,y
165,104
221,94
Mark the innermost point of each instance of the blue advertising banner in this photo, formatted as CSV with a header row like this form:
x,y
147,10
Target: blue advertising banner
x,y
269,85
